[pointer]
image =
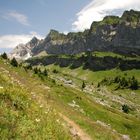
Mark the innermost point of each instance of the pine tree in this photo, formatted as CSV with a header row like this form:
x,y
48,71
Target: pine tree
x,y
35,70
83,85
45,72
4,56
14,62
39,71
134,83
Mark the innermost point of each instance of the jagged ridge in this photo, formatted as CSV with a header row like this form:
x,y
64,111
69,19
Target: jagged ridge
x,y
116,34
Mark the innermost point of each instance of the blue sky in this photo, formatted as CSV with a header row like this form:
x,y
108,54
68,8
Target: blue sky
x,y
42,15
20,20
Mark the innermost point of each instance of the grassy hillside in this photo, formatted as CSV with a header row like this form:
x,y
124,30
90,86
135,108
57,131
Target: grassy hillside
x,y
96,110
21,117
106,95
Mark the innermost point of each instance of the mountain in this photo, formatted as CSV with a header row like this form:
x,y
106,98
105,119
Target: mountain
x,y
116,34
24,51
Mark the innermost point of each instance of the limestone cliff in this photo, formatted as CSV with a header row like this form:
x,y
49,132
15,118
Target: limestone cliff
x,y
117,34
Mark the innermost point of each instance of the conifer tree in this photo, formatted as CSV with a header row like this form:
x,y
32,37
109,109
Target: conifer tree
x,y
83,85
45,73
4,56
14,62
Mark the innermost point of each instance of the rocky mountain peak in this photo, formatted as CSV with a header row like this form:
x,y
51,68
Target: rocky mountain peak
x,y
131,17
131,13
24,51
113,33
107,21
111,20
53,33
34,40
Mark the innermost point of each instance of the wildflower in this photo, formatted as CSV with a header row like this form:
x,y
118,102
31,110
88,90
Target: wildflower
x,y
37,120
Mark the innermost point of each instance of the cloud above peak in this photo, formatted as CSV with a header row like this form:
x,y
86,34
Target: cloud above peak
x,y
12,40
97,9
20,18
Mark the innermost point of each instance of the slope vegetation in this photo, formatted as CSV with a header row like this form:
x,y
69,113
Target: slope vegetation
x,y
39,105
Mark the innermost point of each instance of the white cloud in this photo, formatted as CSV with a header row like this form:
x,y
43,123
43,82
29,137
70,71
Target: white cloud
x,y
97,9
11,41
65,32
21,18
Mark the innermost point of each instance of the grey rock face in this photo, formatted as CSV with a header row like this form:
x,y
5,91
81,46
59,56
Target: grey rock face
x,y
111,34
58,43
121,35
24,51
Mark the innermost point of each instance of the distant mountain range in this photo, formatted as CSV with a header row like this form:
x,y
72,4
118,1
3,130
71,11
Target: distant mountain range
x,y
115,34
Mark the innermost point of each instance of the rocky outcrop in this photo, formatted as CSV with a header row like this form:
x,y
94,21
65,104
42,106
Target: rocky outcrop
x,y
24,51
116,34
58,43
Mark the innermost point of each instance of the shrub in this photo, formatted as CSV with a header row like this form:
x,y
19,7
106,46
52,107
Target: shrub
x,y
125,108
123,82
55,71
98,85
88,53
117,79
53,81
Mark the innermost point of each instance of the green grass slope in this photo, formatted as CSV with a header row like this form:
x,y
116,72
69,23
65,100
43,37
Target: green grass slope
x,y
96,110
21,117
88,111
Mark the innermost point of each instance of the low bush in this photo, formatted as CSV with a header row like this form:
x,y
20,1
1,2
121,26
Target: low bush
x,y
125,108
